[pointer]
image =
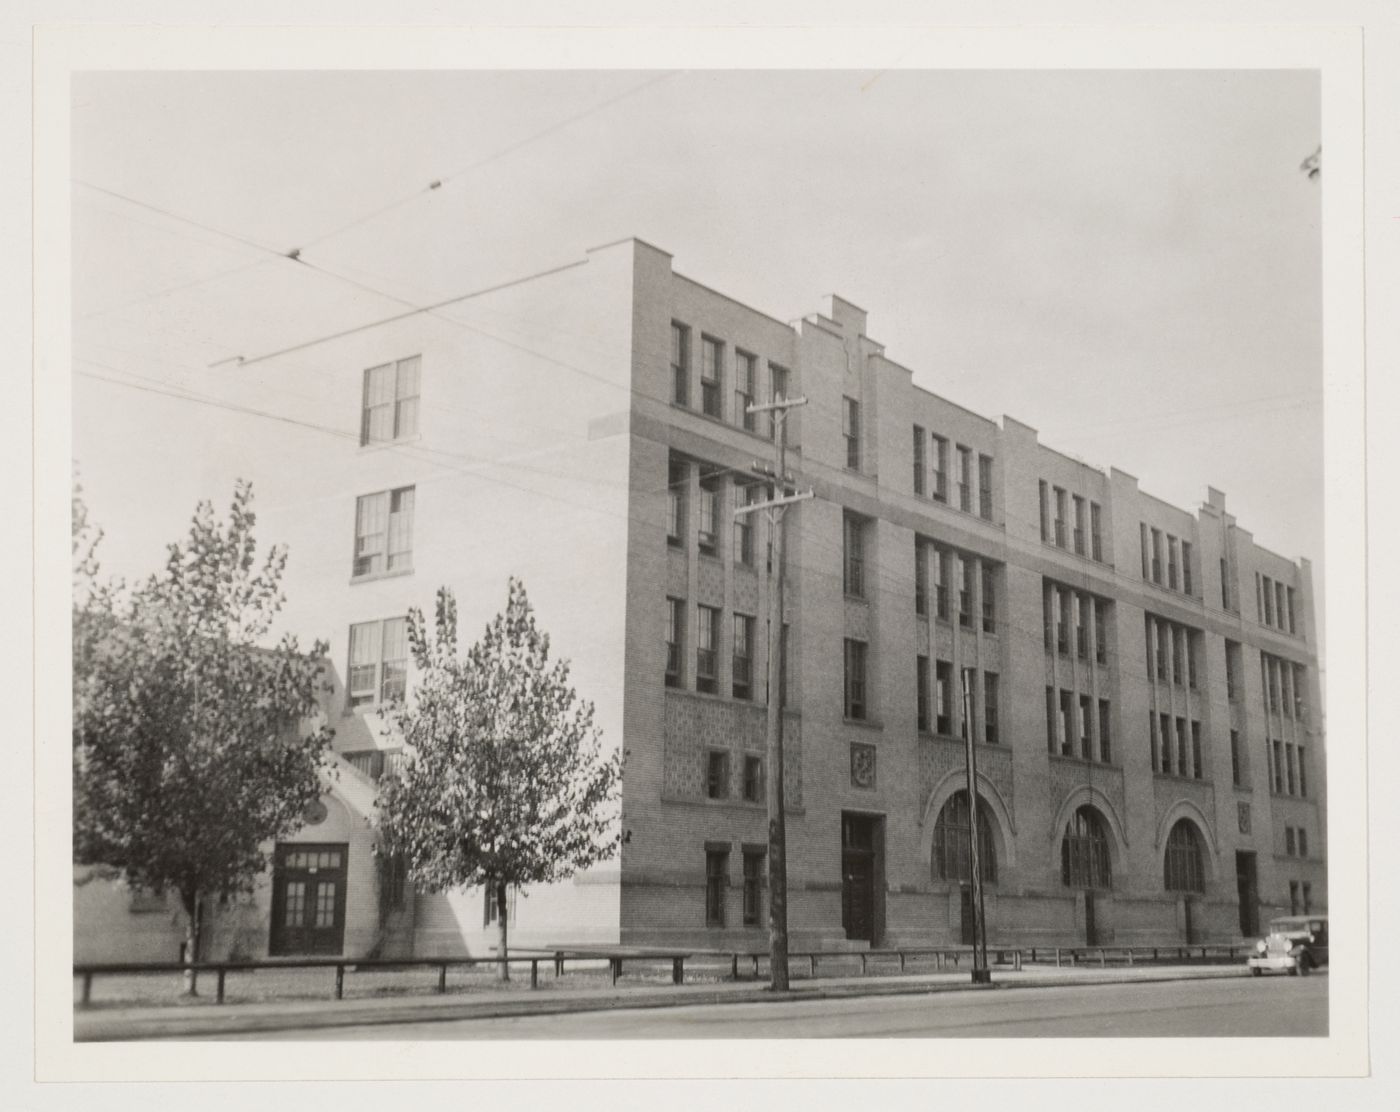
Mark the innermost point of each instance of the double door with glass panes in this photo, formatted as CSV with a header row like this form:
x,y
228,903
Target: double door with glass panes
x,y
308,899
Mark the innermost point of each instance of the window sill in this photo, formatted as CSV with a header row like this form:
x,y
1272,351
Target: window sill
x,y
1074,758
857,598
712,419
864,723
374,576
1105,564
381,445
1176,776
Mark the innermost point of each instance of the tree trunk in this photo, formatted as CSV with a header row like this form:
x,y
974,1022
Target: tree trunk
x,y
502,931
193,910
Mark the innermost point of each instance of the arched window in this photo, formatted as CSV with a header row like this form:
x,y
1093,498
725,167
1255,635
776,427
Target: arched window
x,y
1084,860
1184,870
952,842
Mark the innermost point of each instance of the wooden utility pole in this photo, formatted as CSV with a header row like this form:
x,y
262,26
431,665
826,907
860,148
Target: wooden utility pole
x,y
777,825
981,974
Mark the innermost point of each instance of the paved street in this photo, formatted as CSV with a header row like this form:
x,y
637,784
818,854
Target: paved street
x,y
1212,1008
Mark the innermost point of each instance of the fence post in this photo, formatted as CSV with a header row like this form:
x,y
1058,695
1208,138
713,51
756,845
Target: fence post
x,y
677,970
1103,960
534,972
755,965
814,964
558,964
901,961
616,964
1130,955
339,982
87,988
219,999
1018,960
862,965
734,967
442,978
1057,957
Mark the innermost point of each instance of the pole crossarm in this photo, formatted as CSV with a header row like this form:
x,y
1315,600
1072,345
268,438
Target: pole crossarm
x,y
786,500
777,403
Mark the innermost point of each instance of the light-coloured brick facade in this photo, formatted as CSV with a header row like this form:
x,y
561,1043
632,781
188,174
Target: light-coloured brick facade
x,y
553,434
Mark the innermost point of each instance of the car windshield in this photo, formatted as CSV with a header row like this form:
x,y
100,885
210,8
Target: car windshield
x,y
1288,926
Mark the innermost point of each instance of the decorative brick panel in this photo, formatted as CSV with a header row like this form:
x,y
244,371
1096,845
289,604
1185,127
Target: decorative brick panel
x,y
1168,789
694,725
746,592
938,757
710,582
1068,774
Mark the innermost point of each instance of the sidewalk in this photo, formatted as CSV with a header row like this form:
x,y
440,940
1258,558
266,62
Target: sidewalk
x,y
122,1023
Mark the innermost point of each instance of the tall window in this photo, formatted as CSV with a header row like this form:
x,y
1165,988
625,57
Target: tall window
x,y
1184,868
717,774
676,483
1061,509
952,842
1066,723
1079,532
1083,626
384,532
969,582
777,390
1291,765
743,388
390,402
1084,855
920,577
707,536
1096,531
378,661
943,697
854,556
1236,760
1292,622
706,640
851,430
1225,583
964,479
984,487
743,656
1232,671
1051,721
1197,761
1186,568
746,494
1157,556
716,880
966,698
920,464
942,573
855,679
1086,727
1183,752
991,707
1100,632
1044,511
1105,733
1302,772
989,599
680,364
1171,562
1062,628
940,468
753,778
753,887
675,640
711,374
922,687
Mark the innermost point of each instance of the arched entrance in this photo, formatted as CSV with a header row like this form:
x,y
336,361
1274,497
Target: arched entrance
x,y
952,851
1183,874
1086,864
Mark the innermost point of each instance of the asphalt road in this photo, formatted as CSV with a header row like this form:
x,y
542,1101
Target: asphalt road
x,y
1267,1006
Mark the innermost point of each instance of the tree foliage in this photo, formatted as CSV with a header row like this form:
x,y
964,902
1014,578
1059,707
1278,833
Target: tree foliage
x,y
190,750
505,782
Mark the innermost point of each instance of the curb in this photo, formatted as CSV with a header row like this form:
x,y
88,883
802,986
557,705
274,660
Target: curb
x,y
190,1025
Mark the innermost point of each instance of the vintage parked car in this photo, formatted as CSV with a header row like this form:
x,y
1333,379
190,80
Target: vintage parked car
x,y
1295,944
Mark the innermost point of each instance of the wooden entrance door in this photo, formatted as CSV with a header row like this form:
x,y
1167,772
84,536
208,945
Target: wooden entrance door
x,y
308,899
969,922
858,876
1247,884
1091,925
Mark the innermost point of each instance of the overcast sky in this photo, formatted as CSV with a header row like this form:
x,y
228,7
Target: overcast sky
x,y
1128,261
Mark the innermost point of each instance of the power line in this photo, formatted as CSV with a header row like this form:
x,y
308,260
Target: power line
x,y
235,237
443,180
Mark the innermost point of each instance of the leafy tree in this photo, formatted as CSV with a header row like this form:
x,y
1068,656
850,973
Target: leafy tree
x,y
189,751
504,782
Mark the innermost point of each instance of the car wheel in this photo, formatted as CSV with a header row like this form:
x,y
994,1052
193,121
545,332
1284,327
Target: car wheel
x,y
1257,972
